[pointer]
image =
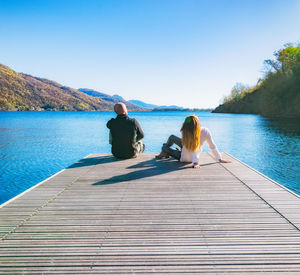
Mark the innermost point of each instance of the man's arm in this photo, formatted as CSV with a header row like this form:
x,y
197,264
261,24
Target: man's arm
x,y
108,124
110,138
139,131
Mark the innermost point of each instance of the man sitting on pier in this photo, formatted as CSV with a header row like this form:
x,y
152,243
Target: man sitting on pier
x,y
125,134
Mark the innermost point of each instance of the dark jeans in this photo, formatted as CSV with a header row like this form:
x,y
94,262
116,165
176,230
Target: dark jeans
x,y
166,148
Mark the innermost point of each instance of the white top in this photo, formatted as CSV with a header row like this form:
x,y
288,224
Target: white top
x,y
205,135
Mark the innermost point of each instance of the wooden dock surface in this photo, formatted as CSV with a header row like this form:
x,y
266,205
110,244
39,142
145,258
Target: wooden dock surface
x,y
142,215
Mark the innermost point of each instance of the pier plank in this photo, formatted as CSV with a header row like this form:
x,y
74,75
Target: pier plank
x,y
108,216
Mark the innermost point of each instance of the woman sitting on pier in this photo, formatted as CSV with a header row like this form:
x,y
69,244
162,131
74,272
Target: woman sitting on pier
x,y
193,137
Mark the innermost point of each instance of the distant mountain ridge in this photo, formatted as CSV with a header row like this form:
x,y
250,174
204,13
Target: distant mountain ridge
x,y
94,93
114,99
143,104
119,97
22,92
153,106
129,103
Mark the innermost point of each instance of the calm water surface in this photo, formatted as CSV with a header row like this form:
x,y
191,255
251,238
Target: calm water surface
x,y
35,145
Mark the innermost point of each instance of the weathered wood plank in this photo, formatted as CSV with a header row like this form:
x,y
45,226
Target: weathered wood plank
x,y
146,216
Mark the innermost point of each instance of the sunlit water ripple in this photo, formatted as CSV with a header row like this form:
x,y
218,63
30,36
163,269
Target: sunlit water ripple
x,y
35,145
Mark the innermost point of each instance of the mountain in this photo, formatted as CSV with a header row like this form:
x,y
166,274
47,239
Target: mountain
x,y
143,104
119,97
114,99
169,107
94,93
153,106
133,104
19,91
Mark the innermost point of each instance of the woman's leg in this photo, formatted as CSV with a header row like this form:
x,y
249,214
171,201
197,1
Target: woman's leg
x,y
167,151
176,154
174,140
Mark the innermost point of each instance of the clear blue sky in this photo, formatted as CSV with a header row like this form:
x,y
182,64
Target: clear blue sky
x,y
188,53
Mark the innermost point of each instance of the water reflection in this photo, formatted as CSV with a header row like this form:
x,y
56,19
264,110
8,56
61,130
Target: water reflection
x,y
286,126
278,145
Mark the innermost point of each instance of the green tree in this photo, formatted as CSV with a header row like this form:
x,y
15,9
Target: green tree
x,y
238,91
276,94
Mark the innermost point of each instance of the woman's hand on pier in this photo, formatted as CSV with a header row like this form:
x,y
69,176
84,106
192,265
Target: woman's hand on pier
x,y
224,161
196,165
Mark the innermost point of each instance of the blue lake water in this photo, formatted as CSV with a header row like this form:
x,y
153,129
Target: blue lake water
x,y
35,145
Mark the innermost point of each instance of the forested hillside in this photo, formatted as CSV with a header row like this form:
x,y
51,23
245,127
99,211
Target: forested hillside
x,y
25,92
277,94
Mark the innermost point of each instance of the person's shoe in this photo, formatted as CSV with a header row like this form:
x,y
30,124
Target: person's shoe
x,y
162,155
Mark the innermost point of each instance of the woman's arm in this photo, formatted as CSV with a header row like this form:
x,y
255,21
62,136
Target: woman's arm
x,y
196,165
213,147
195,159
224,161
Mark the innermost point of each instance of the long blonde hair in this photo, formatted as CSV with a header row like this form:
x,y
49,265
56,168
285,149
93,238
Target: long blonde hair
x,y
190,131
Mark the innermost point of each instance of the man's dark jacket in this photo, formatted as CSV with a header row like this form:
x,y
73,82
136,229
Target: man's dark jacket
x,y
125,133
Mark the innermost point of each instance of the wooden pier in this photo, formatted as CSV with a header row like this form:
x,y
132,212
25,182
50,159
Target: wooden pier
x,y
105,216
